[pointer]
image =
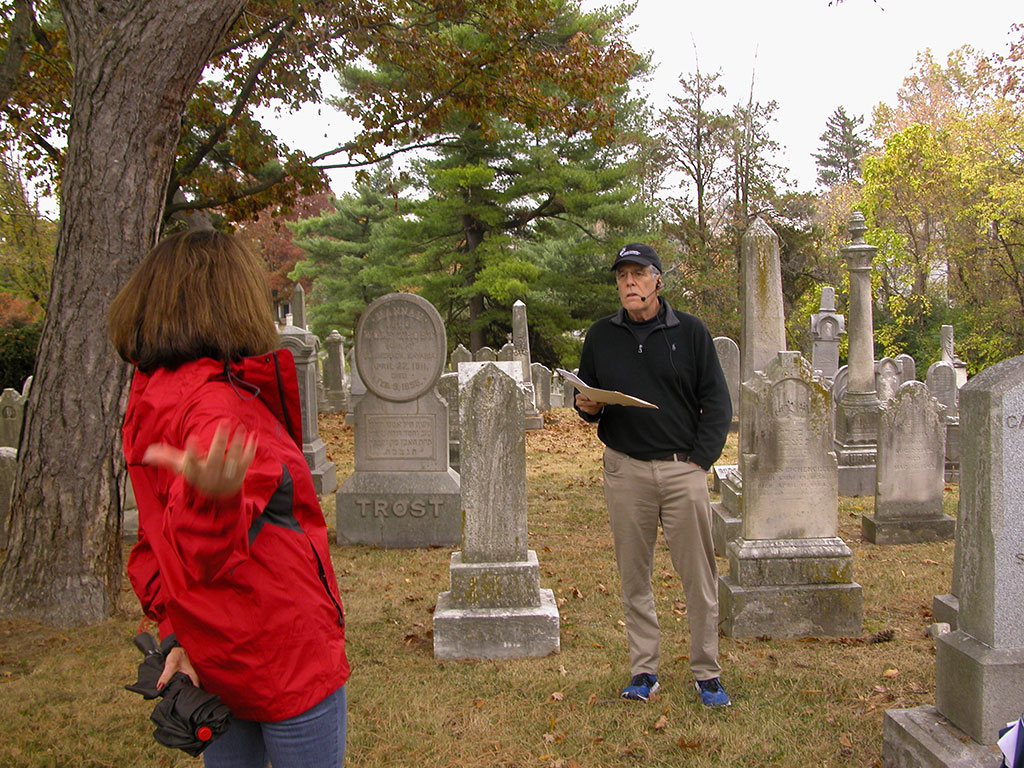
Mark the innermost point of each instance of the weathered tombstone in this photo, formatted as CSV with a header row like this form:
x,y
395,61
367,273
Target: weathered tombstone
x,y
448,389
8,466
908,367
763,337
911,471
569,392
557,390
459,355
729,356
790,575
403,493
856,439
12,416
299,306
510,368
507,352
541,376
356,388
950,356
485,354
130,514
827,326
888,378
335,396
495,607
979,668
303,346
941,380
521,341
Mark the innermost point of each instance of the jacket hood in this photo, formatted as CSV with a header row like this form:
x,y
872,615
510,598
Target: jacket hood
x,y
156,397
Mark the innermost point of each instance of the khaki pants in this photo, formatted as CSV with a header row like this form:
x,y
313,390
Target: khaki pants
x,y
640,494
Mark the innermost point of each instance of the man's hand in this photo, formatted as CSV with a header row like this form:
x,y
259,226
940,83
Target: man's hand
x,y
588,406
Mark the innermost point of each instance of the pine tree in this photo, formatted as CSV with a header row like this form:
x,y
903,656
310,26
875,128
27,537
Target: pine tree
x,y
839,159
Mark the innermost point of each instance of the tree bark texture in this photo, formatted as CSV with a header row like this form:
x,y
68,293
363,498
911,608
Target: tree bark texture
x,y
135,64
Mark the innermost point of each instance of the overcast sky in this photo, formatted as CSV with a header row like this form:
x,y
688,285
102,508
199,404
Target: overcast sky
x,y
806,55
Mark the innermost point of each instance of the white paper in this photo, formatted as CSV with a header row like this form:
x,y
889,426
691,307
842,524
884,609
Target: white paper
x,y
1008,743
603,395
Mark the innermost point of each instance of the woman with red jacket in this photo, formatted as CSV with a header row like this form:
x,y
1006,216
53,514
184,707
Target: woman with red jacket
x,y
232,557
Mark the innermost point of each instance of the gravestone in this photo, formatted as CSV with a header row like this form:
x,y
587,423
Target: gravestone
x,y
856,437
507,352
521,341
303,346
911,471
335,396
403,493
763,337
12,416
941,380
790,575
459,355
511,368
485,354
888,378
979,668
729,356
448,389
950,356
827,326
908,367
495,607
8,466
557,390
356,388
569,391
299,307
541,376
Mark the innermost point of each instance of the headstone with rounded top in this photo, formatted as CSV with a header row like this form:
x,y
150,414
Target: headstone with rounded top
x,y
403,493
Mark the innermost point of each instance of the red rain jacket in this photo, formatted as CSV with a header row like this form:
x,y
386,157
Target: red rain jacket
x,y
246,583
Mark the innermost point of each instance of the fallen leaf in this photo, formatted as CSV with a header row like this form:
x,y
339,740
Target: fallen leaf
x,y
562,670
479,703
602,588
891,673
549,738
592,698
927,561
684,743
557,696
660,723
577,594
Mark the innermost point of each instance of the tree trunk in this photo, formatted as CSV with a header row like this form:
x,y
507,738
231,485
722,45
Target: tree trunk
x,y
136,62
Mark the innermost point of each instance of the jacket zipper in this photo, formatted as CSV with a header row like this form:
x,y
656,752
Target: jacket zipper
x,y
323,580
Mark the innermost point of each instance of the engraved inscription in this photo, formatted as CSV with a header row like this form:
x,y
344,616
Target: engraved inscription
x,y
410,507
400,347
400,437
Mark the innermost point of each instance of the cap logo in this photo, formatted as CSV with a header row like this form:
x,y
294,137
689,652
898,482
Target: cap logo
x,y
624,252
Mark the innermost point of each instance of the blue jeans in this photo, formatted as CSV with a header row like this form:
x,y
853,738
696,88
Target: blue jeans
x,y
314,739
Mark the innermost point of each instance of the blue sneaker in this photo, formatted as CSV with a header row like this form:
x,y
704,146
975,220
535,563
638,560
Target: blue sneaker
x,y
641,687
712,694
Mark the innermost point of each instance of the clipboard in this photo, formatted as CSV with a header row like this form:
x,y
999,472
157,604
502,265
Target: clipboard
x,y
603,395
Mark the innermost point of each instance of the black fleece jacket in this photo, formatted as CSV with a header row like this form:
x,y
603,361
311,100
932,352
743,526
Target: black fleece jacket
x,y
669,361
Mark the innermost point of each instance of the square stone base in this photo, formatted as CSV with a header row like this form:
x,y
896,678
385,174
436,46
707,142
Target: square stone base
x,y
495,585
978,688
946,608
922,738
400,510
857,480
908,530
725,527
495,633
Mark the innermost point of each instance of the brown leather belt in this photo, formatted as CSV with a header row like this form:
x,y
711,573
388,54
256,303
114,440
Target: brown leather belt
x,y
681,457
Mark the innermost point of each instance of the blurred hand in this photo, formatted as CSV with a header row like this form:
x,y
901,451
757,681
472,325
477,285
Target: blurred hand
x,y
220,472
585,404
177,661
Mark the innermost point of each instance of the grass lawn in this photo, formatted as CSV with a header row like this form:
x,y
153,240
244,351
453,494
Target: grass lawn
x,y
800,703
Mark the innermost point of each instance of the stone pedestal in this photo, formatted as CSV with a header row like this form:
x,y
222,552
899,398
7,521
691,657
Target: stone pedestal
x,y
922,738
727,514
790,588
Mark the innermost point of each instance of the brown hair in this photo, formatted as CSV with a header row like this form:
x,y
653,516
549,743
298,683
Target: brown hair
x,y
197,294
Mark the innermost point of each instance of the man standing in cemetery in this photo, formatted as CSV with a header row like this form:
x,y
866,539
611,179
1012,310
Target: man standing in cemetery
x,y
655,461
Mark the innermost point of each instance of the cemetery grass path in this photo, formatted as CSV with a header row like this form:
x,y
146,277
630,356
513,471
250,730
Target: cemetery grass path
x,y
799,703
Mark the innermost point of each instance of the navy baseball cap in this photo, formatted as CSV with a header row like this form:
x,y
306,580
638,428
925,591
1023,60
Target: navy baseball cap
x,y
638,253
